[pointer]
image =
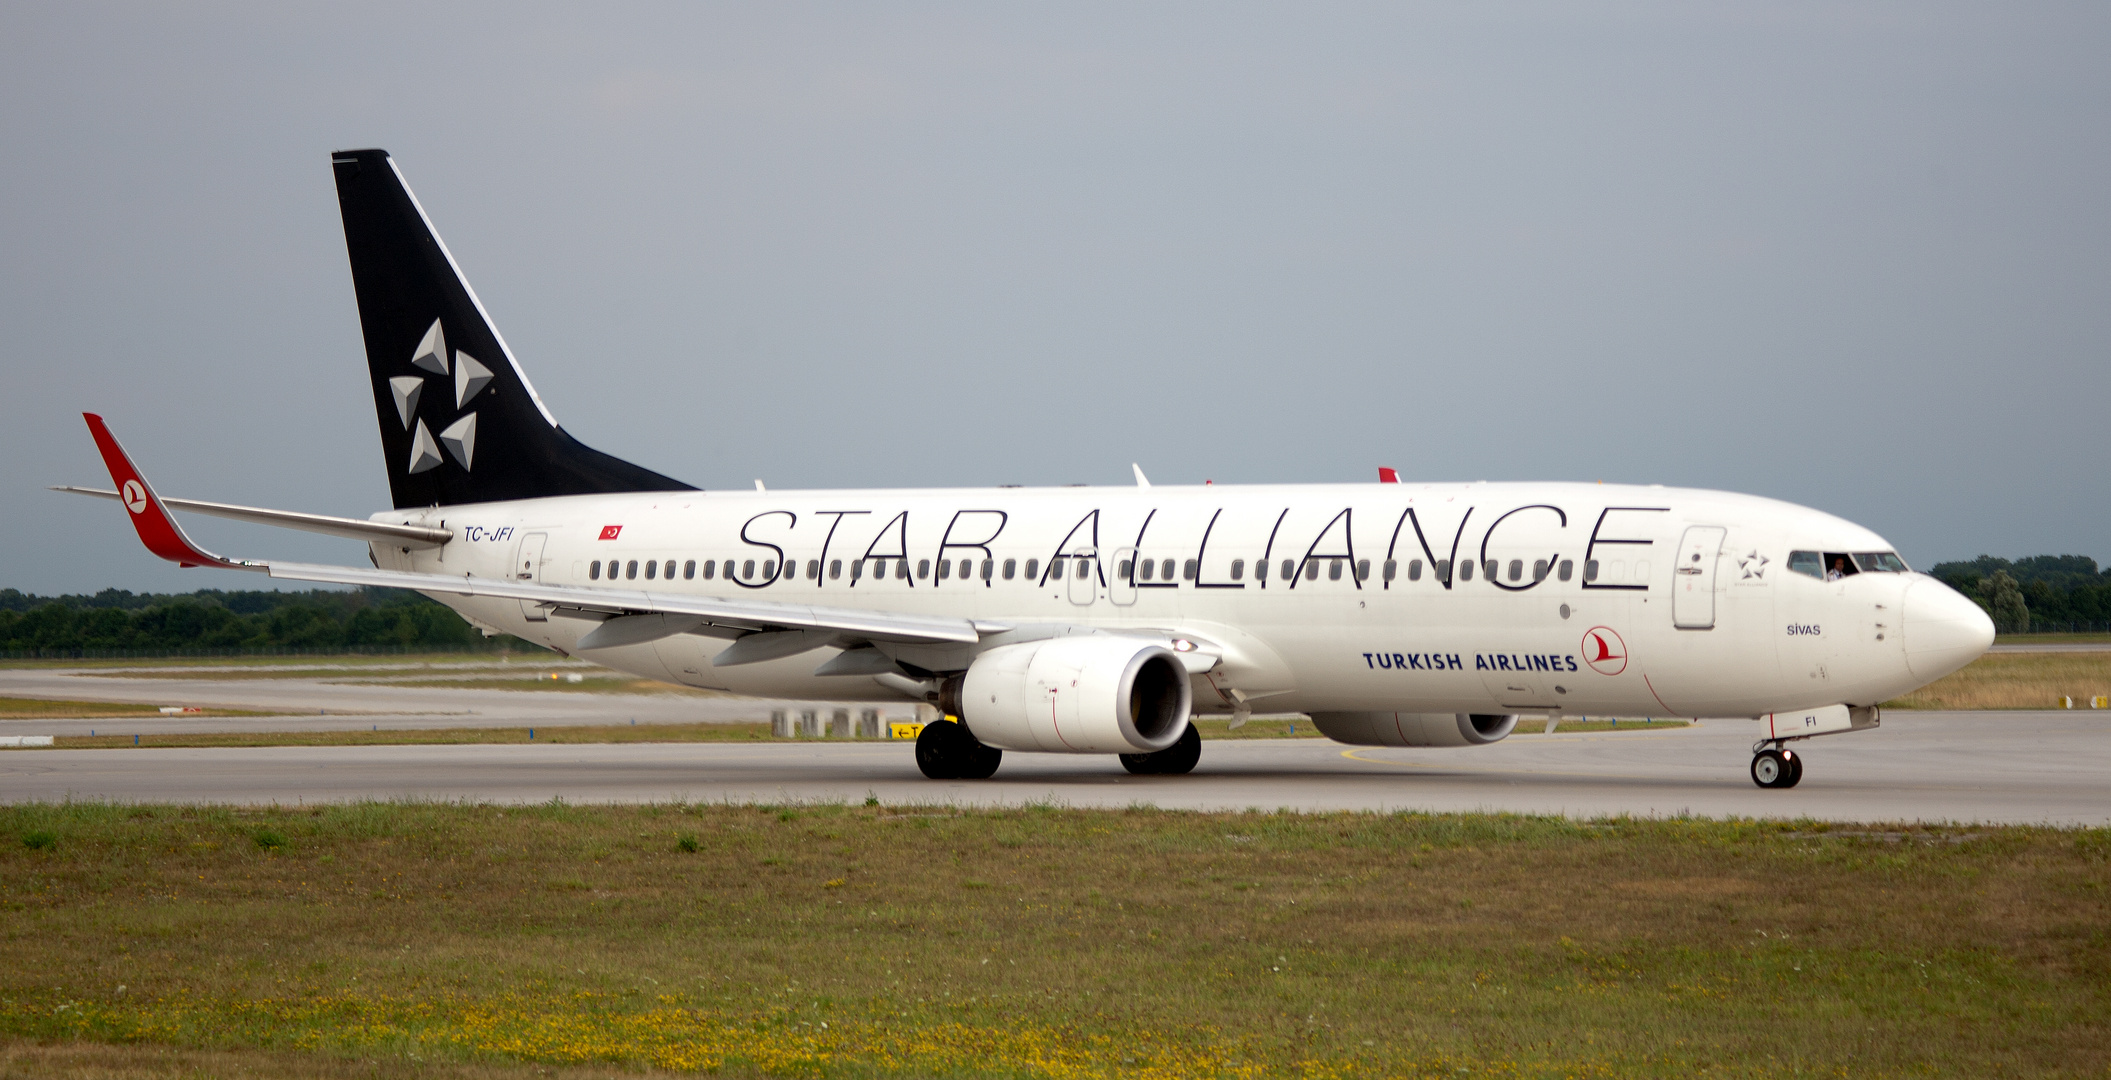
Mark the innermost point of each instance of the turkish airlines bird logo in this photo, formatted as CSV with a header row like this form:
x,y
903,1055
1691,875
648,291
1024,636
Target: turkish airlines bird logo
x,y
135,497
1604,651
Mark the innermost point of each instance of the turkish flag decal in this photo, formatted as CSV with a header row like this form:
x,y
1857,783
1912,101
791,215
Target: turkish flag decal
x,y
610,532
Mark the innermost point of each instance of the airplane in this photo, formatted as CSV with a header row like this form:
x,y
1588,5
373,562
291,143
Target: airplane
x,y
1092,620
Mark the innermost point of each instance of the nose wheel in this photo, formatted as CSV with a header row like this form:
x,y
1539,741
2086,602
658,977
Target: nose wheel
x,y
1777,767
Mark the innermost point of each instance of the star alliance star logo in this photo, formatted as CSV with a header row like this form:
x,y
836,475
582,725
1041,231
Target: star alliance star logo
x,y
469,377
1753,565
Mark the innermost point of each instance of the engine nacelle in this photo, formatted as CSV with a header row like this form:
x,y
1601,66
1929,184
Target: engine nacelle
x,y
1090,694
1414,729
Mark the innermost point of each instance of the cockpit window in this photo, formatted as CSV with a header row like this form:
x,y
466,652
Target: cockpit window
x,y
1807,562
1880,561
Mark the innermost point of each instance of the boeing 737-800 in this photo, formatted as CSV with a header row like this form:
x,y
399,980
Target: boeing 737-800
x,y
1093,620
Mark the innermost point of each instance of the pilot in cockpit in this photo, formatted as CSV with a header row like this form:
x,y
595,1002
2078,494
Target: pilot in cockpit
x,y
1839,568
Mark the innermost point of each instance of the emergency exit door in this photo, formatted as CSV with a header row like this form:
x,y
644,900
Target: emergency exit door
x,y
527,566
1693,578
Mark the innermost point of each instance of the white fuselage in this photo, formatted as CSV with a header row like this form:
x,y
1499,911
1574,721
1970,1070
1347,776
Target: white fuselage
x,y
1679,619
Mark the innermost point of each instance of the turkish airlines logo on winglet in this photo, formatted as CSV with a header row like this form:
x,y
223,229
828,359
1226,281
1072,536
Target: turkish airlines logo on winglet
x,y
610,532
135,497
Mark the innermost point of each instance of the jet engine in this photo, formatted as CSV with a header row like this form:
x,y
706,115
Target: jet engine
x,y
1090,694
1414,729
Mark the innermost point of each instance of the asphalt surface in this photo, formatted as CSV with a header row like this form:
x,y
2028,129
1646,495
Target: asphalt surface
x,y
2021,767
336,702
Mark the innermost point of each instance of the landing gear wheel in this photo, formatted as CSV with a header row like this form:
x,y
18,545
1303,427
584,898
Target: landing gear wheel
x,y
1175,760
1774,768
946,750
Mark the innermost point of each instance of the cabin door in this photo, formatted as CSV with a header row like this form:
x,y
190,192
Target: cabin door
x,y
1693,578
1084,576
527,566
1121,584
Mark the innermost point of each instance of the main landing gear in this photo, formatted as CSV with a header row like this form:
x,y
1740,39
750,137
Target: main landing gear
x,y
1175,760
949,751
1777,766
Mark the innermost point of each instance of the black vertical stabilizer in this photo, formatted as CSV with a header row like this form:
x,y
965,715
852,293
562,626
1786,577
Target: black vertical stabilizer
x,y
459,422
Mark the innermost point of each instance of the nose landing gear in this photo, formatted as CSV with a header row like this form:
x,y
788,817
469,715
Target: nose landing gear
x,y
1777,767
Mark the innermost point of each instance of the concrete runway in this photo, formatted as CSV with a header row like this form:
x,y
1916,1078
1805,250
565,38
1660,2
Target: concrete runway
x,y
321,704
2037,767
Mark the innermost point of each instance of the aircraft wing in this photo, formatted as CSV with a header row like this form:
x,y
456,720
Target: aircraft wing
x,y
415,536
628,616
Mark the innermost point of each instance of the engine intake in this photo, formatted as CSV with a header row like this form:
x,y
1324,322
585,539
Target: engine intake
x,y
1091,694
1415,729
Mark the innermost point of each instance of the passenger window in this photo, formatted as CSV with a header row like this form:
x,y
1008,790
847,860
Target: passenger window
x,y
813,569
1490,566
923,569
668,571
689,570
1517,569
593,570
1260,570
1392,569
1363,569
1033,569
1808,563
901,569
652,569
835,569
710,569
1312,570
879,569
1590,570
1414,569
945,570
1150,569
987,566
1187,570
1333,569
1238,569
1443,569
729,569
1539,570
1055,568
1466,570
1567,570
630,570
1289,569
1165,569
1124,568
1009,566
747,570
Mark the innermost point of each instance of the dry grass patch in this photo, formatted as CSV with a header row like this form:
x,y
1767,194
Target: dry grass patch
x,y
2016,681
416,940
43,709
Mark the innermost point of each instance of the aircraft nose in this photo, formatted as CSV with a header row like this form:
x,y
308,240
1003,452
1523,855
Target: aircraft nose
x,y
1944,631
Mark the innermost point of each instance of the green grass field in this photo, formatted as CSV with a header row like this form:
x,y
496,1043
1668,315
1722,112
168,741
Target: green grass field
x,y
481,941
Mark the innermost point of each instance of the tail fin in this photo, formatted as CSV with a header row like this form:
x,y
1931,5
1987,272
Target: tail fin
x,y
459,421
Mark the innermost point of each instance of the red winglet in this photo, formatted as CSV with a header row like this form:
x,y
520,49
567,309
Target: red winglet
x,y
156,528
1386,475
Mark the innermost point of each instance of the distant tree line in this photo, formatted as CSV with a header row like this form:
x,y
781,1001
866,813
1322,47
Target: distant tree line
x,y
212,620
2041,593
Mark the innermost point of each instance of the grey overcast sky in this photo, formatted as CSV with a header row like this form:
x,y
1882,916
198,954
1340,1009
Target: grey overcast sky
x,y
1850,255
